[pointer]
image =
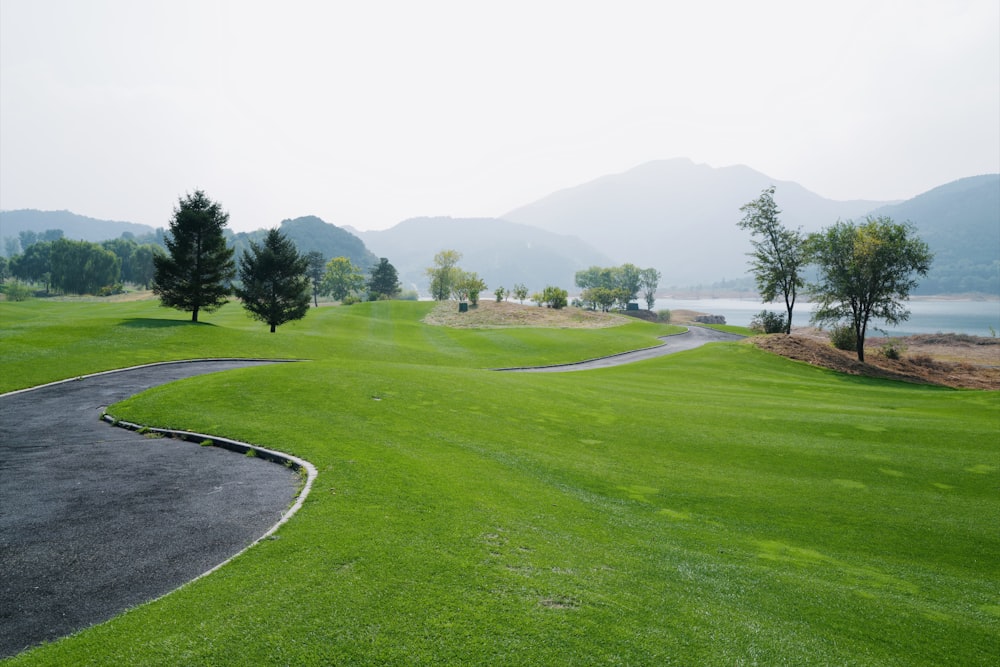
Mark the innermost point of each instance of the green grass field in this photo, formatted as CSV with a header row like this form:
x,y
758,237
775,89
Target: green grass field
x,y
717,507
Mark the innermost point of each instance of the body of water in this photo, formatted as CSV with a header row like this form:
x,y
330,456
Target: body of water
x,y
977,318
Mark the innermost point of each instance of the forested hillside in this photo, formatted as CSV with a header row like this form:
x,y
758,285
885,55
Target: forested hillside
x,y
960,221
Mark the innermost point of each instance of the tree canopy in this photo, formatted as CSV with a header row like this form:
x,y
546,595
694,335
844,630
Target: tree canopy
x,y
866,271
195,273
444,274
342,278
275,284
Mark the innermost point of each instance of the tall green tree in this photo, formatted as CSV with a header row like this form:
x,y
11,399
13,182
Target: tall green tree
x,y
33,264
82,267
779,254
866,271
630,280
195,273
444,274
141,265
275,284
649,281
315,262
342,278
383,282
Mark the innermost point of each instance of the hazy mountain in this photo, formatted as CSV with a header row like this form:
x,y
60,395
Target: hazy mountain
x,y
678,216
960,221
76,227
500,251
309,234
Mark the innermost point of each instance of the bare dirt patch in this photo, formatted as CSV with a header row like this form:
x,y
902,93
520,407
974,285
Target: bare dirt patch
x,y
493,315
950,360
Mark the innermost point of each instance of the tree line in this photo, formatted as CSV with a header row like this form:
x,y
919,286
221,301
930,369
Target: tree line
x,y
865,270
275,282
80,267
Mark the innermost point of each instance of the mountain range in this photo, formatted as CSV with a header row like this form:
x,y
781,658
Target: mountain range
x,y
674,215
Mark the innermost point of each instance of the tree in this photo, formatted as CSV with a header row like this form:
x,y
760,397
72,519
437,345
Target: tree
x,y
342,278
384,281
33,264
142,265
444,274
275,285
866,271
501,293
82,267
630,280
649,281
315,264
467,287
520,292
601,298
554,297
779,254
195,273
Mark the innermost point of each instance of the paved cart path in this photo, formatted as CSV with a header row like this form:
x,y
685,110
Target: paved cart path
x,y
690,339
96,519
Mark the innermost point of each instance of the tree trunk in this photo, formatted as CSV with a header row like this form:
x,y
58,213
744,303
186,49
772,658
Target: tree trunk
x,y
194,315
272,328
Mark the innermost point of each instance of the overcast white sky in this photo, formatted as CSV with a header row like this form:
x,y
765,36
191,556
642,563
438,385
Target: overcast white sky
x,y
367,113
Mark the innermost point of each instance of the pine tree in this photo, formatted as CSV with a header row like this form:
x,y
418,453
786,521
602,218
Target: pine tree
x,y
195,273
384,281
275,281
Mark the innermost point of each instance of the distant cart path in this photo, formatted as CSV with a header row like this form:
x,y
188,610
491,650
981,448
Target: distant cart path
x,y
96,519
690,339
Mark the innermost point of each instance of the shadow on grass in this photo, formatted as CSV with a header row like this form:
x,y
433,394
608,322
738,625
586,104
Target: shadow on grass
x,y
156,323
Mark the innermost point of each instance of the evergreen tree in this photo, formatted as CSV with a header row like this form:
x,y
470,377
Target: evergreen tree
x,y
275,281
195,273
384,281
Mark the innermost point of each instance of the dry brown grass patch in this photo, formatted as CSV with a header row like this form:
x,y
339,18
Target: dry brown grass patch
x,y
493,315
950,360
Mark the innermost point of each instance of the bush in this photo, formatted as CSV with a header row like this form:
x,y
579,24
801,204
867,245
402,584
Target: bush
x,y
663,315
18,291
555,297
844,338
349,300
408,295
893,348
768,322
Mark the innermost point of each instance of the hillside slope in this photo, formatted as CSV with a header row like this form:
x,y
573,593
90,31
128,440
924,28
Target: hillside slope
x,y
500,251
678,216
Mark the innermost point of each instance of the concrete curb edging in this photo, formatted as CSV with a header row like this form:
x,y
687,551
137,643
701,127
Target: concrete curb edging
x,y
271,455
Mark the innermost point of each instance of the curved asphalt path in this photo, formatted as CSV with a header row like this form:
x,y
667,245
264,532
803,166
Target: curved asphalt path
x,y
96,519
690,339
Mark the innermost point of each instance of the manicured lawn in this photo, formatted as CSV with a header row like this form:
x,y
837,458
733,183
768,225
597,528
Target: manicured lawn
x,y
720,506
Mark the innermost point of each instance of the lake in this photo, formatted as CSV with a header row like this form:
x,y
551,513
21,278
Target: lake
x,y
926,315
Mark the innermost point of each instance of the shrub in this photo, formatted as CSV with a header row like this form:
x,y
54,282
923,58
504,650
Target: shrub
x,y
350,299
408,295
893,348
768,322
17,292
663,315
555,297
844,338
